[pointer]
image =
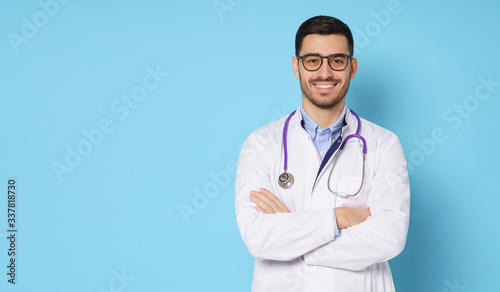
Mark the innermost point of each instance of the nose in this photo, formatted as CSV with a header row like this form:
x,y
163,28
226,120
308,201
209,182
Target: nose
x,y
324,70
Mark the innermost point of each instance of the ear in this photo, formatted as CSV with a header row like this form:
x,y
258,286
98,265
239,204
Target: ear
x,y
354,68
295,64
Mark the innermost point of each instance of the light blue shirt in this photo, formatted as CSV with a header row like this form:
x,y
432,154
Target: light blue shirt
x,y
323,140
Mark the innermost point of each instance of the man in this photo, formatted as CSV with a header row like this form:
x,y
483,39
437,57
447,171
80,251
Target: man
x,y
344,215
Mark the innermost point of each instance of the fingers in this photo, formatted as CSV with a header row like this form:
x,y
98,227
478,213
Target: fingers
x,y
267,202
264,200
263,203
271,199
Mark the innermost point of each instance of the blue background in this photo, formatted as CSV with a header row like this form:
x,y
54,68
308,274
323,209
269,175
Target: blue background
x,y
229,72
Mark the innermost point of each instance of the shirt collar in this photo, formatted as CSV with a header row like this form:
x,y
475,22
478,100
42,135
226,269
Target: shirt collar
x,y
312,127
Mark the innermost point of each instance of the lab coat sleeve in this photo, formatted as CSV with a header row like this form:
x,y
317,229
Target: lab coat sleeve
x,y
282,236
383,235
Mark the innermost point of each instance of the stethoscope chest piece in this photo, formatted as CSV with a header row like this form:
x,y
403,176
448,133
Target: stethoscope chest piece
x,y
285,180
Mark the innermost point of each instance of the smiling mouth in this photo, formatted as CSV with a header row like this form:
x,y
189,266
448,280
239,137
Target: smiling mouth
x,y
324,86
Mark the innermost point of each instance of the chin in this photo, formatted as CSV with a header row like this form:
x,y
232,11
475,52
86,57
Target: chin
x,y
326,104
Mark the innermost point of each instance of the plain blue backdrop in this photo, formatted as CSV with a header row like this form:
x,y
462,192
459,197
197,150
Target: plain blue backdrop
x,y
138,194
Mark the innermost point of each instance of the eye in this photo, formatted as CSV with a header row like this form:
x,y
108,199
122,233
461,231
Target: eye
x,y
312,60
339,60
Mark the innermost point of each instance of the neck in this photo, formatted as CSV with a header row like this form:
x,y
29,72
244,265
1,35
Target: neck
x,y
324,117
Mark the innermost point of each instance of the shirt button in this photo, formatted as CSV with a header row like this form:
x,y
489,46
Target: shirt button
x,y
321,153
319,130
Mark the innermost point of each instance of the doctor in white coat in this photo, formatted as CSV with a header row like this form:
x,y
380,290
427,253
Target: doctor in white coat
x,y
309,237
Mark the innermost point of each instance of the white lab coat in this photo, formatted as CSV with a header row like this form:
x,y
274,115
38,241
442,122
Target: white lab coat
x,y
297,251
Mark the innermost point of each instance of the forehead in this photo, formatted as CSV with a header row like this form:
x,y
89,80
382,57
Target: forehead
x,y
324,44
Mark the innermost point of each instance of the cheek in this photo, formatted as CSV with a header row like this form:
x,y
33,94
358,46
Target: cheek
x,y
345,77
306,76
304,81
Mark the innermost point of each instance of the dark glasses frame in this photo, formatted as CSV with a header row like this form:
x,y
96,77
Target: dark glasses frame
x,y
347,57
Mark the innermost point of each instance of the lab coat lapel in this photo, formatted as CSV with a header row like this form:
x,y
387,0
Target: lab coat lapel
x,y
303,160
322,177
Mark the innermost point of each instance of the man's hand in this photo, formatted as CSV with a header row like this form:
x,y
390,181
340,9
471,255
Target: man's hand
x,y
267,202
350,216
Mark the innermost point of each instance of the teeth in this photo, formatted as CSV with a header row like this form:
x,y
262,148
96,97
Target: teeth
x,y
324,85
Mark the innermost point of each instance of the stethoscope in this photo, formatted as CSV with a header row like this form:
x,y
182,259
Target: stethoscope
x,y
286,180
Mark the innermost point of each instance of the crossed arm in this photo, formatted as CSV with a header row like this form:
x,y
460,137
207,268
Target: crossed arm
x,y
271,232
268,203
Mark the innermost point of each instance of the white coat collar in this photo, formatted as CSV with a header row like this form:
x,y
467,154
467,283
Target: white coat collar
x,y
349,128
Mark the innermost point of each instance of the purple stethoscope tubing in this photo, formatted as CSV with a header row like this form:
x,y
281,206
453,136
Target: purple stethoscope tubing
x,y
285,180
357,135
285,129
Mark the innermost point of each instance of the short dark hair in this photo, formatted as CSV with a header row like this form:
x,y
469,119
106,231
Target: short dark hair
x,y
323,25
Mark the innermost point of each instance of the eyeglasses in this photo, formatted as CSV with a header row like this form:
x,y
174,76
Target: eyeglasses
x,y
312,62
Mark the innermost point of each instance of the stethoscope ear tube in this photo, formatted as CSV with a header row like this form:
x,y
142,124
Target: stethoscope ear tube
x,y
345,195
